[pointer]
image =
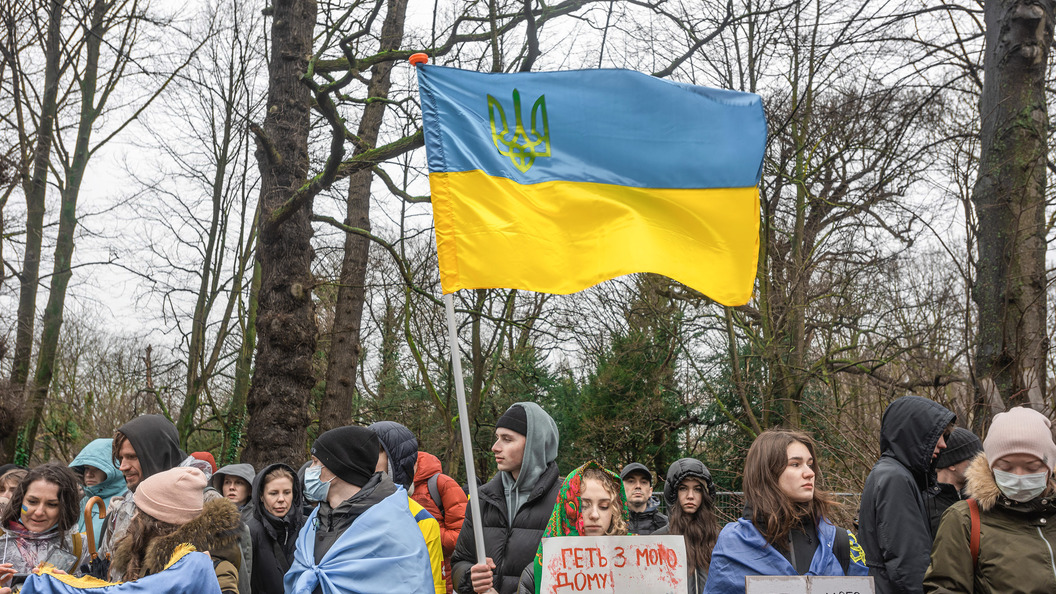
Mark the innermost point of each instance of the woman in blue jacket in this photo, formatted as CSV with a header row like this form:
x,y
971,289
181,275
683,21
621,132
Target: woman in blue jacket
x,y
785,529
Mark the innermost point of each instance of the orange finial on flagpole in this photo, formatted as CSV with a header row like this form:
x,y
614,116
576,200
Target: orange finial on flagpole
x,y
418,58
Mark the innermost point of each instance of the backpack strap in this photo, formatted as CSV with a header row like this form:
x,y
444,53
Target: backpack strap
x,y
841,547
973,542
434,492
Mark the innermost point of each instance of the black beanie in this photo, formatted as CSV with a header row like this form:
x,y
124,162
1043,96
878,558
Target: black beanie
x,y
514,419
349,452
961,445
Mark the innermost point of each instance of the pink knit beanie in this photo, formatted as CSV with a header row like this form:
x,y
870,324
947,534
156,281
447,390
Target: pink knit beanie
x,y
1018,431
174,496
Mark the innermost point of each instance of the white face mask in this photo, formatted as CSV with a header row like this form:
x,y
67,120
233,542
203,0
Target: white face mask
x,y
1021,487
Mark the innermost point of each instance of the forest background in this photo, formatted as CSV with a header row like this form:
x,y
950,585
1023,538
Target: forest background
x,y
221,214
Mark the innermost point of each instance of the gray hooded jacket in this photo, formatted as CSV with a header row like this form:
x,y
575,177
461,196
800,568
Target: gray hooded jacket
x,y
514,512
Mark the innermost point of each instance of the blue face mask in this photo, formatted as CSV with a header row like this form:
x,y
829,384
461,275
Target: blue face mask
x,y
315,489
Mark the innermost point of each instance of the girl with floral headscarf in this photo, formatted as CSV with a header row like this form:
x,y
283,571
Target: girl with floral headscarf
x,y
591,502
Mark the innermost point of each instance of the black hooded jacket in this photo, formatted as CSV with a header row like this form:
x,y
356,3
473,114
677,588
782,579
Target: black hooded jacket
x,y
273,538
156,442
894,528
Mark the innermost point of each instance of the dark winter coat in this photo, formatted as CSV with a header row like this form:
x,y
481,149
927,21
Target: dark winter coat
x,y
215,530
1016,545
273,538
937,498
512,548
648,521
894,529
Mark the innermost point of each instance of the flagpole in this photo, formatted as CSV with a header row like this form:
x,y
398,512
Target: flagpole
x,y
463,422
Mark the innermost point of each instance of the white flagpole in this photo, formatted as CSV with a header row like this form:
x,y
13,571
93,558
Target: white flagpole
x,y
463,422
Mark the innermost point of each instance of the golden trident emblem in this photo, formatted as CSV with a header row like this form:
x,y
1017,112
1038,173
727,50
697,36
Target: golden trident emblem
x,y
522,147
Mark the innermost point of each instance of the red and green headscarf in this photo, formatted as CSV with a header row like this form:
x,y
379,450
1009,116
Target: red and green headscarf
x,y
565,519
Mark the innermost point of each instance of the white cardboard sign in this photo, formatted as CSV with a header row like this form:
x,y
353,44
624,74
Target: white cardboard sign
x,y
639,564
813,584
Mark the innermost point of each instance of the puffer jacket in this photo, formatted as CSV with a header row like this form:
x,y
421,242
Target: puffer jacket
x,y
1017,544
98,454
648,521
511,547
215,530
894,528
453,498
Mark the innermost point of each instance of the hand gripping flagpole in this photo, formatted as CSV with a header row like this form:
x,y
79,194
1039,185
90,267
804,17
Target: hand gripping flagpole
x,y
463,412
463,421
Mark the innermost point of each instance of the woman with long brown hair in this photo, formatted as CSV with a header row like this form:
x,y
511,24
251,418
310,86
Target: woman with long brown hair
x,y
690,495
785,529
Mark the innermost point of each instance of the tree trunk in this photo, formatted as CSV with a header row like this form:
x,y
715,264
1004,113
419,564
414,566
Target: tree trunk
x,y
336,409
286,329
35,193
1009,198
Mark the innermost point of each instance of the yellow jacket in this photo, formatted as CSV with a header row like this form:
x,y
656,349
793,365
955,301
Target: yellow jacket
x,y
431,532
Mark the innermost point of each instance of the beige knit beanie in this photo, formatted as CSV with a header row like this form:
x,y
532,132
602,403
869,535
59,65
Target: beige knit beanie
x,y
174,496
1017,431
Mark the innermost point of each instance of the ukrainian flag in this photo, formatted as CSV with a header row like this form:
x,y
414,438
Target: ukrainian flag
x,y
556,181
188,572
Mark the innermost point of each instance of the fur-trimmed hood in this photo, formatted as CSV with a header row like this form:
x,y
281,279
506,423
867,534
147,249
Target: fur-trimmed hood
x,y
980,485
216,530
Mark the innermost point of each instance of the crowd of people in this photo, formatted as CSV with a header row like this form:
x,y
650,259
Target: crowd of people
x,y
941,511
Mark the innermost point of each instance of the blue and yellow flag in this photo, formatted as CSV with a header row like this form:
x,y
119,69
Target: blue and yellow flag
x,y
188,572
556,181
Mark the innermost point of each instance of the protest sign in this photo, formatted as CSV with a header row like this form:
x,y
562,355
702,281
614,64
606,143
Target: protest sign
x,y
808,584
640,564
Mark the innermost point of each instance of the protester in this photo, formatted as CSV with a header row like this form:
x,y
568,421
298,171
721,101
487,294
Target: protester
x,y
143,447
785,529
591,502
277,519
442,497
95,464
41,522
1011,483
9,480
209,460
894,528
961,446
690,495
235,482
645,516
171,512
362,537
515,505
398,456
10,476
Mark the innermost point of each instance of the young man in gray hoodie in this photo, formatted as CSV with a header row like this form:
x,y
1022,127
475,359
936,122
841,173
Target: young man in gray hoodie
x,y
515,505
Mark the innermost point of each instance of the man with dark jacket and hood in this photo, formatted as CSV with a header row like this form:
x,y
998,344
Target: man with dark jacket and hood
x,y
645,516
143,447
515,505
894,528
